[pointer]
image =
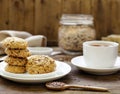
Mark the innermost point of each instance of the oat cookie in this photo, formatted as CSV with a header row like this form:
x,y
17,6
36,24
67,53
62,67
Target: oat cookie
x,y
39,64
15,69
17,53
14,43
16,61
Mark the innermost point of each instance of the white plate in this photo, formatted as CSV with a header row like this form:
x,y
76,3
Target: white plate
x,y
80,63
40,50
62,69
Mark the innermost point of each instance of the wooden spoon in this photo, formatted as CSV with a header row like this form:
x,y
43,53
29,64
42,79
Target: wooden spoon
x,y
63,86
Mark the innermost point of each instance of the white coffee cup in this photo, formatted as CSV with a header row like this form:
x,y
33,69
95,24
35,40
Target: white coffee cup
x,y
100,54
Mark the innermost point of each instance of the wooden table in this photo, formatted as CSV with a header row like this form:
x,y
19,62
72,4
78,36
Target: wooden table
x,y
74,77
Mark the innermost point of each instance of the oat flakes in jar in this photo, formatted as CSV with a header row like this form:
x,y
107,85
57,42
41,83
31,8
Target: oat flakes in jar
x,y
73,31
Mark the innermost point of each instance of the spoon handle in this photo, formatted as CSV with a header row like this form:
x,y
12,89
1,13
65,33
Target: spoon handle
x,y
93,88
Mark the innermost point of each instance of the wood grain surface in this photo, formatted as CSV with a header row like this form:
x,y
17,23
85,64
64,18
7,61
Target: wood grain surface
x,y
4,20
74,77
42,16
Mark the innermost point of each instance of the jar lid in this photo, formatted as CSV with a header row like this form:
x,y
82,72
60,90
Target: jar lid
x,y
76,19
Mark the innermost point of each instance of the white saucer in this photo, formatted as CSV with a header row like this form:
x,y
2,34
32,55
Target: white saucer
x,y
62,69
40,50
80,63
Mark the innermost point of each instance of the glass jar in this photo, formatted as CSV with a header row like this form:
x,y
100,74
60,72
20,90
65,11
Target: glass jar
x,y
73,31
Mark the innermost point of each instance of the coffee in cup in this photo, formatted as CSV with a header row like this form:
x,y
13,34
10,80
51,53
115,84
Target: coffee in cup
x,y
101,44
100,54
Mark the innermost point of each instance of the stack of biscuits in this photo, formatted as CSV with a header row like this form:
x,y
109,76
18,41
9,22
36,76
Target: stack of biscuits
x,y
17,53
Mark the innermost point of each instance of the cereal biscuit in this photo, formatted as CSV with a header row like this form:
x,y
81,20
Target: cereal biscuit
x,y
39,64
14,43
15,69
17,53
16,61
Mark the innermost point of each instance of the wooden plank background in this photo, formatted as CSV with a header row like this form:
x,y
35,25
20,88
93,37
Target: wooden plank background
x,y
42,16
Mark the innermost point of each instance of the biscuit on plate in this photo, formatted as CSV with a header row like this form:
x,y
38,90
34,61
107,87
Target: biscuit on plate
x,y
14,43
15,69
17,53
16,61
39,64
